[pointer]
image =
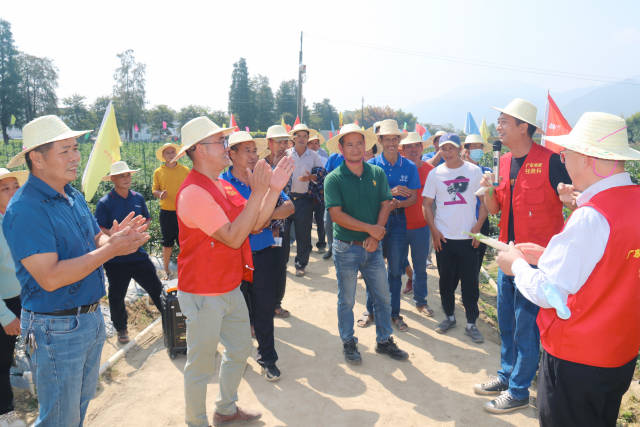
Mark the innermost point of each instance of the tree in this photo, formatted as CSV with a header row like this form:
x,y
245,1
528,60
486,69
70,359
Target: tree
x,y
9,98
219,117
241,95
633,128
265,114
37,86
129,90
191,112
98,109
76,114
286,104
322,115
159,114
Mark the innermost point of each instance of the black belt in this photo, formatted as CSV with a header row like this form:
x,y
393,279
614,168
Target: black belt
x,y
296,196
397,211
353,242
88,308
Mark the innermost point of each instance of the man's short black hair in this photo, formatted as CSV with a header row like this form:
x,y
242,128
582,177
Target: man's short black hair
x,y
41,149
531,129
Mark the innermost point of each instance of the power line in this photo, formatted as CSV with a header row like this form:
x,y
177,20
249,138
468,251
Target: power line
x,y
477,62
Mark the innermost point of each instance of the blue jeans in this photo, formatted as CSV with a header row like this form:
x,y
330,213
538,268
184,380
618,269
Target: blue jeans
x,y
348,259
66,362
520,348
395,251
328,227
419,243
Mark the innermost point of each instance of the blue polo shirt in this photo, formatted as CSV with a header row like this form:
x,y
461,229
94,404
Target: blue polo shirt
x,y
113,206
41,220
403,172
333,162
264,239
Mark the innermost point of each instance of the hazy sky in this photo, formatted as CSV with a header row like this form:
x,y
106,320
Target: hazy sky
x,y
395,52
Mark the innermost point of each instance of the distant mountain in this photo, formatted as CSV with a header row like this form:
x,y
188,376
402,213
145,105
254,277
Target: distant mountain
x,y
618,98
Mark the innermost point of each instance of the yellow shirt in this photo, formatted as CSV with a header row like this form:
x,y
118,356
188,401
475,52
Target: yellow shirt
x,y
169,180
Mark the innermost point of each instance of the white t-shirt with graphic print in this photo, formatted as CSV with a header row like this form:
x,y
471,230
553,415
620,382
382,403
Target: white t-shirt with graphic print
x,y
454,194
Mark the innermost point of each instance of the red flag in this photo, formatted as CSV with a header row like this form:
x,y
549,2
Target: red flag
x,y
297,122
135,127
420,129
288,127
164,125
330,134
556,124
232,122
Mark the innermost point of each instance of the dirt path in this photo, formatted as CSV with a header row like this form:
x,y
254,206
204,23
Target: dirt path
x,y
317,387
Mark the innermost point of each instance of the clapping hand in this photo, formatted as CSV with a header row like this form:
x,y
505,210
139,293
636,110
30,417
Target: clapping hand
x,y
400,190
137,223
282,173
260,178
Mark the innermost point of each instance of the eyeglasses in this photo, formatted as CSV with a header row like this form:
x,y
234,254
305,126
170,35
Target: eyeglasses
x,y
224,143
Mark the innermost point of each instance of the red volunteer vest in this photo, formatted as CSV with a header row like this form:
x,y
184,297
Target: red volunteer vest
x,y
206,265
537,211
604,327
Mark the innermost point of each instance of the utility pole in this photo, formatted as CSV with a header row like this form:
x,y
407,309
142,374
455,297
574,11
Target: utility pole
x,y
362,113
302,70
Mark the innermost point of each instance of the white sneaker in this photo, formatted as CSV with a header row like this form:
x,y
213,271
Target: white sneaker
x,y
11,419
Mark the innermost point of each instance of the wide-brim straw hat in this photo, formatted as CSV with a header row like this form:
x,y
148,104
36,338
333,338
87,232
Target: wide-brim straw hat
x,y
521,109
316,135
160,151
600,135
244,136
21,176
474,138
300,127
438,134
390,127
369,137
118,168
41,131
411,138
277,132
195,130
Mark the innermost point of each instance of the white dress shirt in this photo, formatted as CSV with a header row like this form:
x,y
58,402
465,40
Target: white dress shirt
x,y
303,165
571,255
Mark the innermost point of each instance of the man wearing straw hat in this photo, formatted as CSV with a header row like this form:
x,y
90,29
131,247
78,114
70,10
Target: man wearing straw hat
x,y
9,302
316,189
593,268
59,249
167,179
404,182
215,257
267,255
305,160
531,211
115,206
417,227
335,160
358,197
277,140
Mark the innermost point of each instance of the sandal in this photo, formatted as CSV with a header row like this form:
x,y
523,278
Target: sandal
x,y
402,327
425,309
365,320
282,313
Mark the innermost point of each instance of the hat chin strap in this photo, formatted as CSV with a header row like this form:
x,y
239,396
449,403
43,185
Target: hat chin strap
x,y
613,168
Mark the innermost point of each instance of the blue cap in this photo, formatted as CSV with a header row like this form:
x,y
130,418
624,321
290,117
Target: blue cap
x,y
449,138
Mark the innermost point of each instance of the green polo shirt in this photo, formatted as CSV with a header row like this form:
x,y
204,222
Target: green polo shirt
x,y
358,196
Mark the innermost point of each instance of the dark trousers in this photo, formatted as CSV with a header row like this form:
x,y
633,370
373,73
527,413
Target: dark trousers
x,y
318,218
7,345
457,260
281,277
262,296
572,394
302,221
119,275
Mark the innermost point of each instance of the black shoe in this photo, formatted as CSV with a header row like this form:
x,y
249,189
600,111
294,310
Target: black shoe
x,y
505,403
271,372
351,353
321,249
492,387
389,347
327,254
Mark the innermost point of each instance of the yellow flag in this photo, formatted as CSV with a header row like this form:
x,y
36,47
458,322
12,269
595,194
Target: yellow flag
x,y
106,151
13,120
340,119
484,131
282,123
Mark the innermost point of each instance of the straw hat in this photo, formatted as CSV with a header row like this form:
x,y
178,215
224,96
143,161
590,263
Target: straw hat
x,y
316,135
521,109
438,134
390,127
41,131
600,135
195,130
21,176
300,127
243,136
474,138
160,151
118,168
277,132
369,137
412,138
